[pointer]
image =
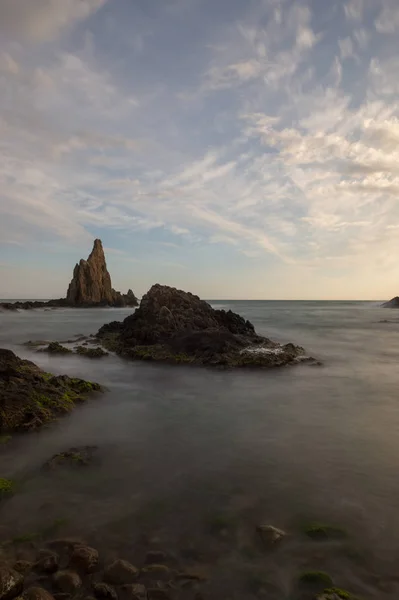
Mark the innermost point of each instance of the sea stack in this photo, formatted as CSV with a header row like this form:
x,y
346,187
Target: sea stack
x,y
91,283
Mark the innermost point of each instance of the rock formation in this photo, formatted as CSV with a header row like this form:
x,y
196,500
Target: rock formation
x,y
90,286
394,303
91,283
30,398
176,326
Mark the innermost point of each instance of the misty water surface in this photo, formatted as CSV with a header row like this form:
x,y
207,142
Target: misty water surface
x,y
183,448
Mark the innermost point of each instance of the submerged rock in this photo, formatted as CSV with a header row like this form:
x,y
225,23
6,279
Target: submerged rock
x,y
84,558
30,398
48,562
270,535
36,593
74,457
120,571
175,326
134,591
67,581
103,591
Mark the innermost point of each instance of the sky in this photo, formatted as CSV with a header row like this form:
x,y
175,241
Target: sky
x,y
232,149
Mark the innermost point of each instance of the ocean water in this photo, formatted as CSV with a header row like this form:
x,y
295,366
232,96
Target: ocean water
x,y
190,460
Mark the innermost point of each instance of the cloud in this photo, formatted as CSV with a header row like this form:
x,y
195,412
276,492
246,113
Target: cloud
x,y
346,48
42,20
388,19
354,10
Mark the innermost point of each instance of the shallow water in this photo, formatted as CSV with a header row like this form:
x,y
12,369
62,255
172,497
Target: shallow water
x,y
192,459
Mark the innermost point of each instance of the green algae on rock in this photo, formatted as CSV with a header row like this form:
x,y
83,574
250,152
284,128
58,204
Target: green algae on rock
x,y
91,352
324,531
56,348
31,398
336,594
177,327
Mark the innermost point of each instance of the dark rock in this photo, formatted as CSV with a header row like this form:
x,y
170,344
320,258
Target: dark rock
x,y
158,594
30,305
130,299
65,545
56,348
270,535
48,562
134,591
91,282
152,573
23,566
29,397
175,326
155,557
165,312
11,583
84,559
393,303
102,590
120,571
67,581
36,593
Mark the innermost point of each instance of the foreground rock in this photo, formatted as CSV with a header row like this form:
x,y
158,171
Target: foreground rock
x,y
30,398
91,283
393,303
11,583
176,326
90,286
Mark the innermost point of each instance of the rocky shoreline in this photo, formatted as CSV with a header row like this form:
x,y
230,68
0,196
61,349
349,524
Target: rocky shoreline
x,y
43,568
31,398
68,568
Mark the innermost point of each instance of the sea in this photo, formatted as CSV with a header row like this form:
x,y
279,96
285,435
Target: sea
x,y
192,460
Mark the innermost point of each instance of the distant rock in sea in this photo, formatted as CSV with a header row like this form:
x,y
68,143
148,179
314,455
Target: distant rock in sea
x,y
394,303
90,286
91,283
175,326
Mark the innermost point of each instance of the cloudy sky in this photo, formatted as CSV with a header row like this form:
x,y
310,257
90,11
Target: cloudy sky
x,y
235,149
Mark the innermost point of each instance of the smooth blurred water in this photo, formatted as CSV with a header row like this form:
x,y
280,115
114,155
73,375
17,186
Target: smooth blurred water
x,y
179,447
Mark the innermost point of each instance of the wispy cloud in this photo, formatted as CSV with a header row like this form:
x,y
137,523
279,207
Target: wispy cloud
x,y
270,129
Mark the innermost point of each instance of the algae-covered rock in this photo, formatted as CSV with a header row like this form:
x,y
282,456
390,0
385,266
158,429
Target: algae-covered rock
x,y
56,348
30,397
